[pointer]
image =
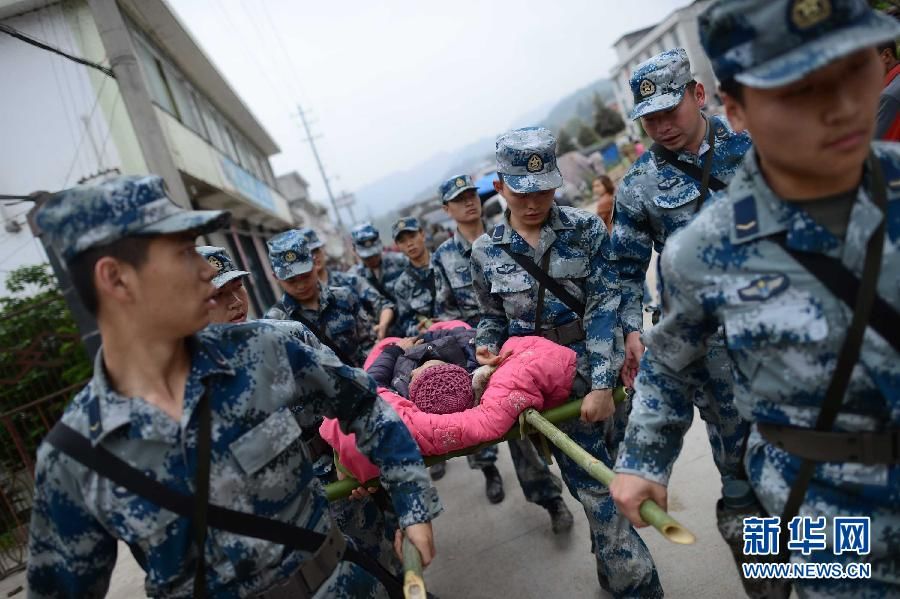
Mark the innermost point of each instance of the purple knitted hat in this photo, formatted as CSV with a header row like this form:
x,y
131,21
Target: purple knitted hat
x,y
442,389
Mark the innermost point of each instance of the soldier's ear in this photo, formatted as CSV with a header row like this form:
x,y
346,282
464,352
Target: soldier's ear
x,y
734,111
700,94
114,280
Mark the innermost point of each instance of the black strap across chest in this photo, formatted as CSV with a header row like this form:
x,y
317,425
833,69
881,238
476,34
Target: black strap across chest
x,y
702,176
866,292
322,336
543,278
197,508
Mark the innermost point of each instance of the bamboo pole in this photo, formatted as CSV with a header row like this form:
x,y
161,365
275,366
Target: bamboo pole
x,y
413,581
650,511
567,411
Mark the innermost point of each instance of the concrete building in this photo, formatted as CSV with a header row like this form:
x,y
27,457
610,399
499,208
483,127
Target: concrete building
x,y
167,111
678,30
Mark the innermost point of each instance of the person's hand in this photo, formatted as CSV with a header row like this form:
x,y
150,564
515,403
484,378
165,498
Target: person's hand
x,y
630,491
362,492
422,537
381,330
634,350
408,342
359,492
486,357
597,406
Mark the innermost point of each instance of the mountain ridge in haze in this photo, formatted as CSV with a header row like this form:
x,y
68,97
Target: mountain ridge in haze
x,y
400,188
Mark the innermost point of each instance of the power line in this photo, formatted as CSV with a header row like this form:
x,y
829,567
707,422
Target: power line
x,y
13,32
85,132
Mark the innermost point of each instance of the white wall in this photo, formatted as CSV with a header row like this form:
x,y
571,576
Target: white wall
x,y
46,145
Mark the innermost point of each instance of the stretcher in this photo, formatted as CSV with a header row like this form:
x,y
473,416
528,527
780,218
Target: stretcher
x,y
530,422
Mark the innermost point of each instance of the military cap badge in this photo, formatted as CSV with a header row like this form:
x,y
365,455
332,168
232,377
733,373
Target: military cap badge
x,y
809,13
215,262
290,257
460,182
535,164
647,88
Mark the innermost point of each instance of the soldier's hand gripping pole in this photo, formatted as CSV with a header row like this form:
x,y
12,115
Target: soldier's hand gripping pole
x,y
650,510
413,581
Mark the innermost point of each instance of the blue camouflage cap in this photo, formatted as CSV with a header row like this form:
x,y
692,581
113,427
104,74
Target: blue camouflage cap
x,y
289,254
312,238
454,186
222,262
777,42
659,82
366,240
407,223
87,216
526,159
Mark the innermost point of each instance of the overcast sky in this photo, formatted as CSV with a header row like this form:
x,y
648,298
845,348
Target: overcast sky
x,y
391,83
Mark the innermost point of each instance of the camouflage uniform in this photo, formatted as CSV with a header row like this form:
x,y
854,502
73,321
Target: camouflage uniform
x,y
581,259
264,387
367,244
372,301
415,288
339,314
654,200
783,328
455,297
456,300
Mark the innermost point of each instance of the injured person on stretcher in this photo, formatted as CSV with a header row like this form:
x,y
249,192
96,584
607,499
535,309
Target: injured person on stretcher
x,y
429,383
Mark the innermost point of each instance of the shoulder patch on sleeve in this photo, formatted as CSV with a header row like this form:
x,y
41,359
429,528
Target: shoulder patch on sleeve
x,y
745,221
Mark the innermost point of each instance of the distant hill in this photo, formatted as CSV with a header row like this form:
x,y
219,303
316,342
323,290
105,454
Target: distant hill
x,y
396,190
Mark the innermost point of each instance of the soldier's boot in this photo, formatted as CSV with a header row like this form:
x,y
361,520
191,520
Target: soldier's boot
x,y
493,484
438,471
560,517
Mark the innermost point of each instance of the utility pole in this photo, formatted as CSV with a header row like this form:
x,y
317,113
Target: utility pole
x,y
312,144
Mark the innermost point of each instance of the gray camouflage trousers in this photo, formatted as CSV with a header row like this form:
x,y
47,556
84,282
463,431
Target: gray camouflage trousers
x,y
539,485
625,567
714,399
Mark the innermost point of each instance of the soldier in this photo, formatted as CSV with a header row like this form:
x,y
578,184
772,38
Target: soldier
x,y
378,267
164,386
661,193
456,301
575,305
333,314
378,308
788,263
232,301
415,289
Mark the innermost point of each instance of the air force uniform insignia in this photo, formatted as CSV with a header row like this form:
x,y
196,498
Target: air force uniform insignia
x,y
764,287
809,13
505,269
535,164
215,262
667,184
497,235
647,88
745,222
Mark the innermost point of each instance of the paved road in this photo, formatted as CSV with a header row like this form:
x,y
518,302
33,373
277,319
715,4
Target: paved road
x,y
508,550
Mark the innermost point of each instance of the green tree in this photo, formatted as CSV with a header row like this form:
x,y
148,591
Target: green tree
x,y
607,121
41,353
586,136
564,143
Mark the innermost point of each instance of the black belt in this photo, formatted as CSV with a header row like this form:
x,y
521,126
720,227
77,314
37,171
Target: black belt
x,y
564,334
313,572
827,446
